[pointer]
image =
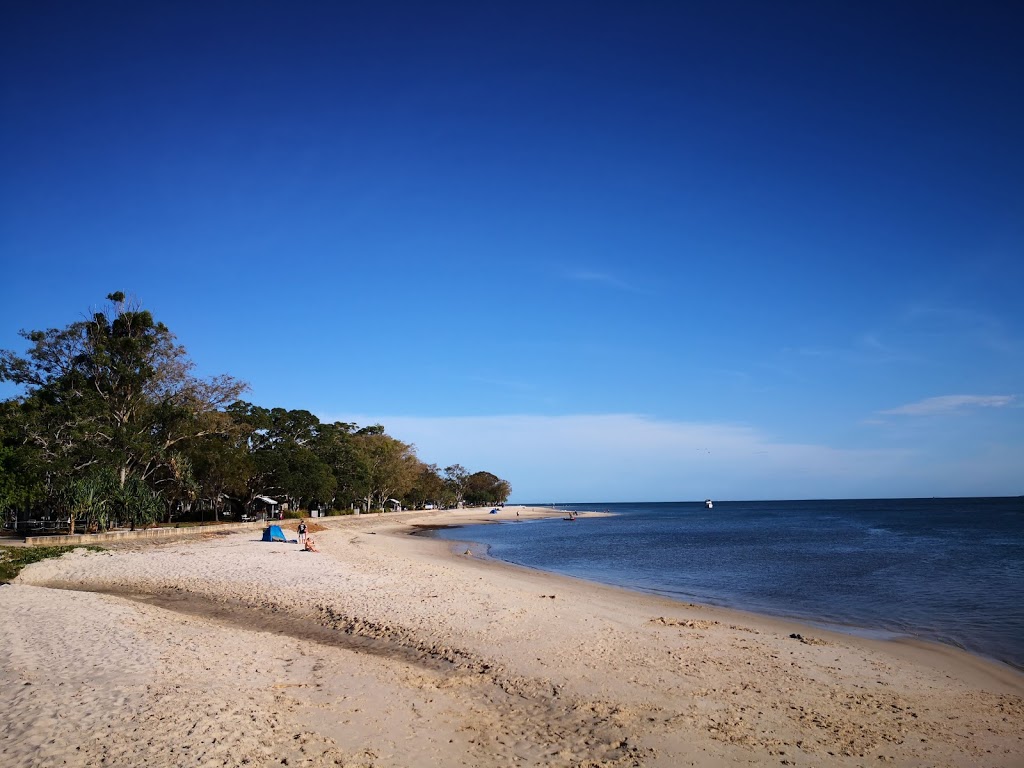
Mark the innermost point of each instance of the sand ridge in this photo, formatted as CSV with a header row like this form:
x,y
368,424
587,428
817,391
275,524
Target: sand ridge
x,y
390,650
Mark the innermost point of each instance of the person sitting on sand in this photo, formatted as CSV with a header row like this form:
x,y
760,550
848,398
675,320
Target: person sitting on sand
x,y
310,545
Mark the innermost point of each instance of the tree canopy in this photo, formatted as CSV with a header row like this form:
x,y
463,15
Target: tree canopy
x,y
112,426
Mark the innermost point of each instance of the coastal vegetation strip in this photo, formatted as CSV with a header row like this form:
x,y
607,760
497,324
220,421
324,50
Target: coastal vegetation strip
x,y
13,559
111,428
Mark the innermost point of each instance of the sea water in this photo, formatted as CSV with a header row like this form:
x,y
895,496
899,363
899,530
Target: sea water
x,y
947,570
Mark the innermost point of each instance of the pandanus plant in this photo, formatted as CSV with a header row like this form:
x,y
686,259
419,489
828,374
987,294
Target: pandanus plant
x,y
87,500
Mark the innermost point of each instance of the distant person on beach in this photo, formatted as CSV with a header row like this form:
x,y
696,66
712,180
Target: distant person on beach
x,y
302,533
310,545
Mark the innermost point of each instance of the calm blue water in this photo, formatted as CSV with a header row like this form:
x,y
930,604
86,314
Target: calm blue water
x,y
950,570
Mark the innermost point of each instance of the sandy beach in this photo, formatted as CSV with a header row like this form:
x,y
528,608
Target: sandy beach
x,y
386,649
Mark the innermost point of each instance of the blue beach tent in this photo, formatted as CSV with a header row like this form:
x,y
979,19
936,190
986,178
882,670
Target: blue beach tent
x,y
273,533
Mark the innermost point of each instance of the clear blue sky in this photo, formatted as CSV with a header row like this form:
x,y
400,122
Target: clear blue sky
x,y
609,251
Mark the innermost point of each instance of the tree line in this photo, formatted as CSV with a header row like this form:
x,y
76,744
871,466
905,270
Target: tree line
x,y
112,427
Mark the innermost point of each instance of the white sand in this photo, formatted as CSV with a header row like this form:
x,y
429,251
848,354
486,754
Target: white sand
x,y
391,650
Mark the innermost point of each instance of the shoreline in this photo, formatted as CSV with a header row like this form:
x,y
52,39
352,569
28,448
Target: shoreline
x,y
853,632
852,629
387,649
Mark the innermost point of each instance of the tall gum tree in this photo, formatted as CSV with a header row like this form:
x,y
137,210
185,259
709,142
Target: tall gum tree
x,y
389,467
113,389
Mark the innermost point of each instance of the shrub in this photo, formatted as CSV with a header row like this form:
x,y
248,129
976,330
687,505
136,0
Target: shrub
x,y
13,560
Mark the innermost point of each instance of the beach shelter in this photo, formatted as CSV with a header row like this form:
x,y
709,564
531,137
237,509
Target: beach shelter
x,y
266,504
273,533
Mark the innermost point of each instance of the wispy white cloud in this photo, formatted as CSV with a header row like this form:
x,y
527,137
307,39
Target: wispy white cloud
x,y
601,278
948,404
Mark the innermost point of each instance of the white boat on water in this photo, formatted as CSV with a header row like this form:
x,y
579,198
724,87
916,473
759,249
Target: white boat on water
x,y
708,503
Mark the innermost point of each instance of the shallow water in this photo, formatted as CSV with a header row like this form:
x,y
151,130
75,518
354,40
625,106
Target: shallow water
x,y
950,570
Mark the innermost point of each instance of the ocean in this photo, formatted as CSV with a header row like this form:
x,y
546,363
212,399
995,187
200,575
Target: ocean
x,y
947,570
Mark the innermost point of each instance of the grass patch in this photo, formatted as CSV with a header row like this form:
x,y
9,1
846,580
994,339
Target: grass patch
x,y
13,559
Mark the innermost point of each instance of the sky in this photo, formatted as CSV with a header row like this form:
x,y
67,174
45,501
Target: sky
x,y
641,251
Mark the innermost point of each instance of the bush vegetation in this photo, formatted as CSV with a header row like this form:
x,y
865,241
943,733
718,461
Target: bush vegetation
x,y
13,559
111,427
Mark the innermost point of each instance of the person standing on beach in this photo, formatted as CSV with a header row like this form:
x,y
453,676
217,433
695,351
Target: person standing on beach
x,y
302,533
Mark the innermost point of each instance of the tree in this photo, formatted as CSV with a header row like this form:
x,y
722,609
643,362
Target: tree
x,y
388,467
114,390
222,466
111,425
86,499
428,487
296,473
455,478
9,485
178,485
483,488
334,446
285,455
22,475
134,502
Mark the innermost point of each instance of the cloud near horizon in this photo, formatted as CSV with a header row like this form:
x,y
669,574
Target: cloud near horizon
x,y
949,403
629,457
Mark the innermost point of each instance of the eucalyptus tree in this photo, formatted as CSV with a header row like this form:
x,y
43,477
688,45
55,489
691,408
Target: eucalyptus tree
x,y
298,475
222,467
335,447
114,390
388,467
428,487
455,478
22,473
284,453
486,488
9,485
178,485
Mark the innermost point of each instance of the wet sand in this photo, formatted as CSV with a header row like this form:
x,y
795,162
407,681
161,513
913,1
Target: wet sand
x,y
386,649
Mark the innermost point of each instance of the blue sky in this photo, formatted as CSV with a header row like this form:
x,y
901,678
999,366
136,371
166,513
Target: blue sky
x,y
609,251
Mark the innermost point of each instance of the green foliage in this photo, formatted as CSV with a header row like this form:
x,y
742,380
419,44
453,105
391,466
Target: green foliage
x,y
13,559
483,488
9,486
428,488
113,392
112,427
88,498
134,502
455,479
387,468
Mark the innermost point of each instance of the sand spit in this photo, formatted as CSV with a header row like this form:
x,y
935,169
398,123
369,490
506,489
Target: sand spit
x,y
391,650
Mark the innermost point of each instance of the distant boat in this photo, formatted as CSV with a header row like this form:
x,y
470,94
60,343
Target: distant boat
x,y
708,503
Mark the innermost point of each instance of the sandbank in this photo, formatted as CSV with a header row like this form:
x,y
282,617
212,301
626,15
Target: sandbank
x,y
386,649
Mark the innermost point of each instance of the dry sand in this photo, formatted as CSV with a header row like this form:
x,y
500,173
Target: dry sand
x,y
391,650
